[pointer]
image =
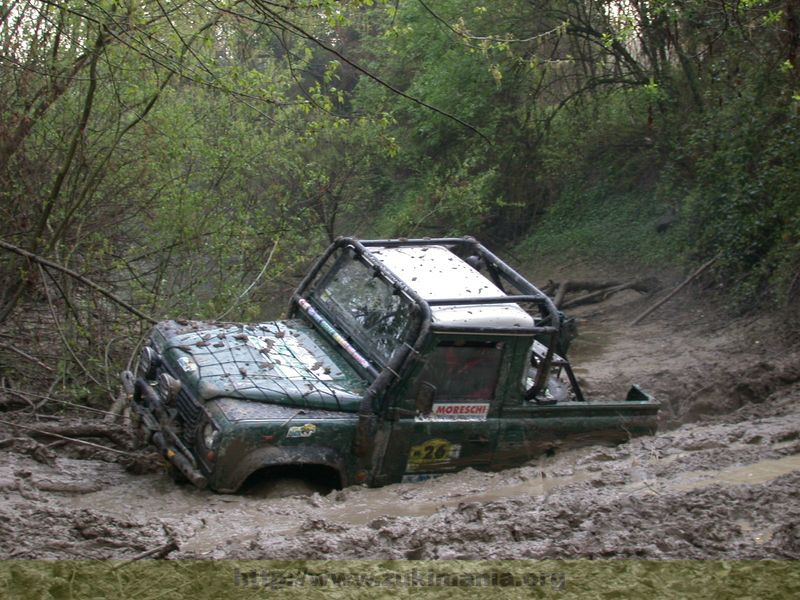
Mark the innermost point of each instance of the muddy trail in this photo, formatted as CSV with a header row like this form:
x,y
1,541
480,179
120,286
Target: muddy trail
x,y
719,481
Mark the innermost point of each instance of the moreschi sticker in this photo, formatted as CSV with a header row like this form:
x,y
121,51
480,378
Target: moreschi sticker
x,y
457,411
431,454
301,431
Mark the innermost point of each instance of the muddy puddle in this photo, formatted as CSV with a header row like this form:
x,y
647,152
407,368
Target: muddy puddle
x,y
392,501
214,525
757,473
209,520
719,481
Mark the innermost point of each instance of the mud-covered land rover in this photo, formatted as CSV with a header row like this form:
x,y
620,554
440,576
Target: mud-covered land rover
x,y
400,360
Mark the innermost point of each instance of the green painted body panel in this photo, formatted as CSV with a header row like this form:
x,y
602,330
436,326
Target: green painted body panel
x,y
281,362
257,435
267,419
514,430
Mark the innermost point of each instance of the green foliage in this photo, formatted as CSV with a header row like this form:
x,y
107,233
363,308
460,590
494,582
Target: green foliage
x,y
603,223
600,121
194,160
612,186
744,204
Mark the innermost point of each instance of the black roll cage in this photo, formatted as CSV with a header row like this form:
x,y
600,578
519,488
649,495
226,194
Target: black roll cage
x,y
500,273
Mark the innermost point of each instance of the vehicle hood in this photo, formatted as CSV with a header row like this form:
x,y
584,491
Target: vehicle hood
x,y
281,362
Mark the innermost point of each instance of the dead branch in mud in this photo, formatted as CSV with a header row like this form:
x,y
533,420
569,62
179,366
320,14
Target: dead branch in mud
x,y
116,435
569,285
643,286
48,263
46,485
66,487
26,445
664,300
159,552
598,291
71,432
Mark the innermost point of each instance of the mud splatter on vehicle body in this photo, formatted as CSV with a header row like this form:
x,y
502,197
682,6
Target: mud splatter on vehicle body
x,y
400,360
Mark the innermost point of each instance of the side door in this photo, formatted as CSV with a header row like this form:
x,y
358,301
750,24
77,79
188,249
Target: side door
x,y
446,418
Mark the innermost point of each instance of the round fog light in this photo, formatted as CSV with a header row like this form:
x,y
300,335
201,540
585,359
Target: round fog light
x,y
148,362
168,387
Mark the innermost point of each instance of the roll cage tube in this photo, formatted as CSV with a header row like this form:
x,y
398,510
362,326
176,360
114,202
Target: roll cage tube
x,y
422,324
410,346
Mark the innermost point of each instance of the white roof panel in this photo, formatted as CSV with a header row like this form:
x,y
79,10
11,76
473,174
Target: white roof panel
x,y
435,273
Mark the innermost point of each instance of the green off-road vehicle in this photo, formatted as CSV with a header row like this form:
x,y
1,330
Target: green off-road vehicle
x,y
400,360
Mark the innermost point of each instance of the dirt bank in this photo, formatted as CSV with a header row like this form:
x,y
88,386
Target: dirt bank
x,y
718,481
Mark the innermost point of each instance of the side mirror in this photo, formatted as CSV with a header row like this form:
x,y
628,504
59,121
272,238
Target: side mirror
x,y
425,395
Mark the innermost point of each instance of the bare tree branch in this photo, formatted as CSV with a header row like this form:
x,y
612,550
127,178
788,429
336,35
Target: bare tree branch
x,y
48,263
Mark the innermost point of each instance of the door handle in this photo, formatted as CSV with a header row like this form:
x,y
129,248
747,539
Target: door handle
x,y
478,439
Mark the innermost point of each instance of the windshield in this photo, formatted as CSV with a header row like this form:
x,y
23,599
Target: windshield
x,y
364,307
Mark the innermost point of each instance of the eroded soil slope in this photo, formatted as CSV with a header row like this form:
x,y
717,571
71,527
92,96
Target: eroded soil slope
x,y
719,481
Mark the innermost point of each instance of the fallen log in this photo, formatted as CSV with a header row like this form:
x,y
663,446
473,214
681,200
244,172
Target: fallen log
x,y
560,290
53,486
643,286
114,434
67,487
159,552
664,300
78,431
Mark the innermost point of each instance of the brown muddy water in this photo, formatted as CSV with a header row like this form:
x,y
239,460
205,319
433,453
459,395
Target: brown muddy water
x,y
719,481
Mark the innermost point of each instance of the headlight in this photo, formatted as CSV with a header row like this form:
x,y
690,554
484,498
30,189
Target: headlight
x,y
210,435
168,387
148,362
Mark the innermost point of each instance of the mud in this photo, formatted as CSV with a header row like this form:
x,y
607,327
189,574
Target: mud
x,y
719,481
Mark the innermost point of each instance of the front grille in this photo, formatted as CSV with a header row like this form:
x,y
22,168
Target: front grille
x,y
189,412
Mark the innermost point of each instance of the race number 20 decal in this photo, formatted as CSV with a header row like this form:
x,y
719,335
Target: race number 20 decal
x,y
432,454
